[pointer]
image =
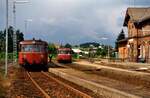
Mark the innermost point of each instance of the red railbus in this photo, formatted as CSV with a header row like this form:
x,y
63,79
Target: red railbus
x,y
64,55
33,52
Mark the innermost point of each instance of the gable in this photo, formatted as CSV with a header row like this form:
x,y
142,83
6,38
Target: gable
x,y
136,15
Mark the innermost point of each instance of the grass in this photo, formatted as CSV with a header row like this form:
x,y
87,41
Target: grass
x,y
2,56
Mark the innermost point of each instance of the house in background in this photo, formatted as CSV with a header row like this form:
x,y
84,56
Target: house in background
x,y
77,52
137,47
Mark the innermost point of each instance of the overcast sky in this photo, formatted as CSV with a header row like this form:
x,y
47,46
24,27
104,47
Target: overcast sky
x,y
71,21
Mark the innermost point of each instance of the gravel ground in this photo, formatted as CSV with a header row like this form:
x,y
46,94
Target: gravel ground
x,y
126,66
18,84
86,73
82,89
54,89
128,76
22,86
2,89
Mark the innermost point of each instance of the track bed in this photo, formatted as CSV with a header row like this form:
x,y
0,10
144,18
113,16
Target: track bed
x,y
54,88
45,85
22,87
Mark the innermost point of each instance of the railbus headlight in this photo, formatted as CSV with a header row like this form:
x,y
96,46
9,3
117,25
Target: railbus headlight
x,y
42,56
24,56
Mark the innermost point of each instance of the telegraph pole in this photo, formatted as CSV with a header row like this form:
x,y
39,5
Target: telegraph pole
x,y
6,44
108,51
14,34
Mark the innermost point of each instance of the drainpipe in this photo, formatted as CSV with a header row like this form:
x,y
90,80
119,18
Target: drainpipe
x,y
137,25
137,46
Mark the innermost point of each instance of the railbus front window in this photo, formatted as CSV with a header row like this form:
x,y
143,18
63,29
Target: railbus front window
x,y
64,52
33,48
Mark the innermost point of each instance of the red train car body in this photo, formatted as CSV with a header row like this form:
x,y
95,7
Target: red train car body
x,y
33,52
64,55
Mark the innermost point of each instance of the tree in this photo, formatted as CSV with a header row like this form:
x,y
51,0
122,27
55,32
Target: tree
x,y
10,39
20,37
19,34
2,41
86,45
68,45
120,37
52,51
98,52
76,46
103,51
52,48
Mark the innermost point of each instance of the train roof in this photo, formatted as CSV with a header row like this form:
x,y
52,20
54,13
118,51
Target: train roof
x,y
33,42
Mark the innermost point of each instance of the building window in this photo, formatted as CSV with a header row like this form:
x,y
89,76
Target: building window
x,y
130,33
146,30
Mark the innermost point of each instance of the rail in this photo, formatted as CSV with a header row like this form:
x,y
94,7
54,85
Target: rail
x,y
43,92
68,87
75,91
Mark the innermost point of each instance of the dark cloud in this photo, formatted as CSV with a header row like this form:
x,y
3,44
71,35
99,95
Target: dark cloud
x,y
137,2
71,21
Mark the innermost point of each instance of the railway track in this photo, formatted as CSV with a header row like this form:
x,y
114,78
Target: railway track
x,y
51,87
21,85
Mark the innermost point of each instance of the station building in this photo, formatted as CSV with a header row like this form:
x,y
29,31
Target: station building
x,y
136,46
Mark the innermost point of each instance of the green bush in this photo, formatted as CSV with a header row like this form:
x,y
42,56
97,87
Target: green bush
x,y
2,58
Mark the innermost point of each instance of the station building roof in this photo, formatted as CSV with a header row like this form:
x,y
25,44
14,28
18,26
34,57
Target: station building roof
x,y
137,15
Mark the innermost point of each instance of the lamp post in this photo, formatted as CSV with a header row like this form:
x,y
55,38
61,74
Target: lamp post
x,y
108,52
6,46
14,35
90,52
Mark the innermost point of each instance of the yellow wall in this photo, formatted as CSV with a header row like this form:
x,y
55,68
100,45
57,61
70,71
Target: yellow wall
x,y
123,52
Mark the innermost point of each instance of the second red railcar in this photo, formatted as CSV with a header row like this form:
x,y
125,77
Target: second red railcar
x,y
64,55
